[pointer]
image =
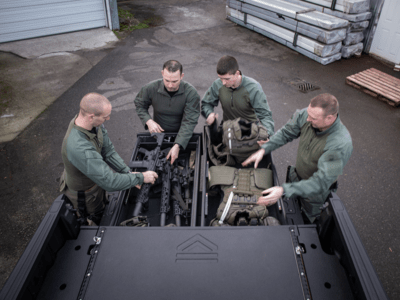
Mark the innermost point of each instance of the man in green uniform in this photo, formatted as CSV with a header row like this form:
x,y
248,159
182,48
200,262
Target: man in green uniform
x,y
176,106
88,154
324,149
240,96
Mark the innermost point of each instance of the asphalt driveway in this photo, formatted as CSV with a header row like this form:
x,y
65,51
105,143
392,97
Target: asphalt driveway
x,y
197,34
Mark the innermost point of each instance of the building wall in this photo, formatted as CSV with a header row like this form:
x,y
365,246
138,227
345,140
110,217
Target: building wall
x,y
376,8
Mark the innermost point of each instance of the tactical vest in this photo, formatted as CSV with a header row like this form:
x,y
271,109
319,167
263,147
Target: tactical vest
x,y
241,188
239,141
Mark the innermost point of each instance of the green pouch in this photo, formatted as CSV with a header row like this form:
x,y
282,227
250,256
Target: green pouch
x,y
263,178
221,175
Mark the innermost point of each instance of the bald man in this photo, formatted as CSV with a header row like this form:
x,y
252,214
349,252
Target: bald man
x,y
88,154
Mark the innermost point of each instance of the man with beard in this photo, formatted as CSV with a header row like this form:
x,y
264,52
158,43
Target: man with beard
x,y
176,106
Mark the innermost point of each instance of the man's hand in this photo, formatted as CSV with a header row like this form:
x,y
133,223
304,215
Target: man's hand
x,y
173,153
255,157
154,127
262,142
211,118
274,194
149,177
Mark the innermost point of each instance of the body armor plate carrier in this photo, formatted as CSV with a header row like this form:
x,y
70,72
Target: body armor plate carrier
x,y
239,141
241,189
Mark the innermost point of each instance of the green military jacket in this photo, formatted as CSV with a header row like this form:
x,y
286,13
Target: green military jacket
x,y
179,113
321,156
247,101
87,160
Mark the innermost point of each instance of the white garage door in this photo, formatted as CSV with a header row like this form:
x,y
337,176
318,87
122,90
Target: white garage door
x,y
23,19
386,42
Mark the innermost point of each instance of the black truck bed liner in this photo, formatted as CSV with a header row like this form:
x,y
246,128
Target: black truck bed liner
x,y
293,261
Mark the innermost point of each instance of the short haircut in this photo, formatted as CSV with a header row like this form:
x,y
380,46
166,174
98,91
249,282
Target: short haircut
x,y
173,66
227,65
93,103
327,102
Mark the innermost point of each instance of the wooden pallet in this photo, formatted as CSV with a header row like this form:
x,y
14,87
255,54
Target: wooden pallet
x,y
377,84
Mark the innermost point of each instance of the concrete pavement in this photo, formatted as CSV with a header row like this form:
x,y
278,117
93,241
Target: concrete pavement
x,y
36,72
197,34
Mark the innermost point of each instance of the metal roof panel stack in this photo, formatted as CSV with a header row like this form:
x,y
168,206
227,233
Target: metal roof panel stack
x,y
319,52
346,6
314,34
357,12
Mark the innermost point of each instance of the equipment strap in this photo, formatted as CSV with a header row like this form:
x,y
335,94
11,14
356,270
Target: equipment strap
x,y
333,6
82,207
227,206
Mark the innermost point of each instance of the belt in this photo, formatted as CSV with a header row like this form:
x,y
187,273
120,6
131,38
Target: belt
x,y
89,191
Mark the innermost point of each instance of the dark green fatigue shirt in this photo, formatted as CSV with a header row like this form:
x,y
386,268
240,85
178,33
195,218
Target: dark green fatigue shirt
x,y
179,113
321,157
247,101
87,160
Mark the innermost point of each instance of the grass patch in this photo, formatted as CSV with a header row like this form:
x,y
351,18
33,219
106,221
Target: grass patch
x,y
128,23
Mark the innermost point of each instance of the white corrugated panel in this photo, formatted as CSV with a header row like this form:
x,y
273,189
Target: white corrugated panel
x,y
23,19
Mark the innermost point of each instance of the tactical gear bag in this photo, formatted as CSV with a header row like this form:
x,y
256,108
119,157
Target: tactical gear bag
x,y
241,189
239,141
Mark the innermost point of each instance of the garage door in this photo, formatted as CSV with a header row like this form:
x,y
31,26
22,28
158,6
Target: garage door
x,y
25,19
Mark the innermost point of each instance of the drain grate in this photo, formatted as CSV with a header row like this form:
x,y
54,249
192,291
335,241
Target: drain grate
x,y
303,86
306,87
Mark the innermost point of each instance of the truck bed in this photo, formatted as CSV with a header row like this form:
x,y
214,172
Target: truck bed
x,y
194,261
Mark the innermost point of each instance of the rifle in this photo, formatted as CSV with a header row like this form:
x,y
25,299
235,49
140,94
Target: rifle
x,y
164,167
176,190
187,177
149,162
181,179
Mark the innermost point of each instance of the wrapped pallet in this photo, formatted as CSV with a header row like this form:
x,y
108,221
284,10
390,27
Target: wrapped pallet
x,y
348,51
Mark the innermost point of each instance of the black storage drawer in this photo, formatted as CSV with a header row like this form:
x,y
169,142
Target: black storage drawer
x,y
211,200
291,261
121,206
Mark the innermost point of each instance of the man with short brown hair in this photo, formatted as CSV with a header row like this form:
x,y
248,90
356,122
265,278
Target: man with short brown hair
x,y
240,96
88,154
324,149
176,106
